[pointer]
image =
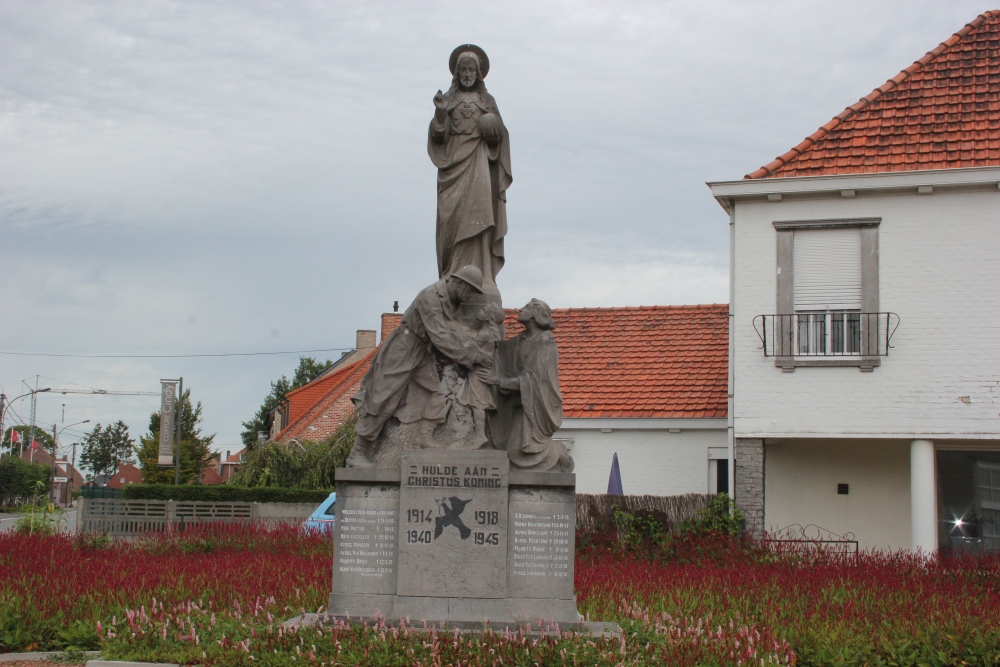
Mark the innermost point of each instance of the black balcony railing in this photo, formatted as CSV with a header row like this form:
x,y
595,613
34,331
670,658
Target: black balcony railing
x,y
826,334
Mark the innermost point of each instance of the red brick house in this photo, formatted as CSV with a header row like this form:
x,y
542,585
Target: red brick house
x,y
125,475
210,476
229,465
72,479
315,410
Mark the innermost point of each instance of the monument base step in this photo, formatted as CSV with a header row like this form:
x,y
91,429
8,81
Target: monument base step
x,y
473,610
530,628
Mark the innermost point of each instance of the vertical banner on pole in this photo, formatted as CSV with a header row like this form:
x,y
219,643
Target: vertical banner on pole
x,y
168,404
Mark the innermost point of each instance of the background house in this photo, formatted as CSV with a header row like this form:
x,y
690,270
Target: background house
x,y
315,410
230,463
300,400
125,475
649,383
67,477
864,355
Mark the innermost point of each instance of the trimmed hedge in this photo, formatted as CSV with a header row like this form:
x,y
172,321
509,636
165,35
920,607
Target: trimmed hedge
x,y
224,493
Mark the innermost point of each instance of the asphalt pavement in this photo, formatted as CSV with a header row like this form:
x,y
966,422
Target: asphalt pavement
x,y
66,521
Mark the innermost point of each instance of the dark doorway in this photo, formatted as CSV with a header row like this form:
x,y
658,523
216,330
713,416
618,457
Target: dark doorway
x,y
722,475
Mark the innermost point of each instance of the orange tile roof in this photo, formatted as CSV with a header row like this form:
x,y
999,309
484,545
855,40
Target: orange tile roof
x,y
301,400
645,361
941,112
328,389
210,477
640,362
238,456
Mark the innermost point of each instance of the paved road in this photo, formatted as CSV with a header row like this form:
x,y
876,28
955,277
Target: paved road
x,y
67,521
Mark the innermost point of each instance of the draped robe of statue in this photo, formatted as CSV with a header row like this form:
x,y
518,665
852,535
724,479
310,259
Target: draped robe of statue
x,y
402,381
473,178
527,417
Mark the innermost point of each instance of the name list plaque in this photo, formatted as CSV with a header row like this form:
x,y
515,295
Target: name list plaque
x,y
540,555
364,547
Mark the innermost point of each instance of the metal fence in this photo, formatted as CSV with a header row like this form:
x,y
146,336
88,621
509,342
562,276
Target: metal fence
x,y
89,491
799,538
826,334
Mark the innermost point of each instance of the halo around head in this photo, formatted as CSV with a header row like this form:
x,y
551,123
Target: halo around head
x,y
484,60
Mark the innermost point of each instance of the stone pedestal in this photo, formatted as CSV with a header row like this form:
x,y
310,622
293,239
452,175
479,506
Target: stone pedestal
x,y
455,536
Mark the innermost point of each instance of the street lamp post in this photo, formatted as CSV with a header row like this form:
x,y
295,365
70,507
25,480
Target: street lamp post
x,y
5,405
55,444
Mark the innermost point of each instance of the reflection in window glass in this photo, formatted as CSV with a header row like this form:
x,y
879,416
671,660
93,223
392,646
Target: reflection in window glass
x,y
968,500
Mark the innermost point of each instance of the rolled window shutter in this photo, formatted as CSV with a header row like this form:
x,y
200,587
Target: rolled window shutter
x,y
827,269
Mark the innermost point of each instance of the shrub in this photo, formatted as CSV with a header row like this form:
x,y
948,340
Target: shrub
x,y
721,516
18,479
297,465
605,521
646,529
224,493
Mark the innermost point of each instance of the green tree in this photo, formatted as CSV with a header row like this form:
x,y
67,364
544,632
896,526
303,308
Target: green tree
x,y
105,448
43,438
307,371
18,478
195,447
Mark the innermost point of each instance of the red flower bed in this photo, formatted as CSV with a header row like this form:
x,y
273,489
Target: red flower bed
x,y
53,585
831,609
701,600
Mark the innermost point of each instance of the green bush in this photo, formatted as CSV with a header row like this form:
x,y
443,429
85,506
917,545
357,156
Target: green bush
x,y
295,464
18,479
722,516
224,493
645,529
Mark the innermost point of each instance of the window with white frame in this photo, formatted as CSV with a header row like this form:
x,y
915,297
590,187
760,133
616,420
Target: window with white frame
x,y
827,290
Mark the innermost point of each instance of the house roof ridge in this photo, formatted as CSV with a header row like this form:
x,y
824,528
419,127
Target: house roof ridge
x,y
233,458
871,97
692,306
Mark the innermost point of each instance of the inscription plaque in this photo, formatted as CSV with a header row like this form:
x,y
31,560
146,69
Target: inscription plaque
x,y
453,524
541,544
364,548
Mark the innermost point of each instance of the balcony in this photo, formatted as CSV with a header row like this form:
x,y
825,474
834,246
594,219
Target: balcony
x,y
826,338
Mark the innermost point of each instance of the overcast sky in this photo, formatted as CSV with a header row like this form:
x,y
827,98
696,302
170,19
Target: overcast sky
x,y
251,176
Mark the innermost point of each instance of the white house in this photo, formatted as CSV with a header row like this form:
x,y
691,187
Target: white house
x,y
650,384
865,313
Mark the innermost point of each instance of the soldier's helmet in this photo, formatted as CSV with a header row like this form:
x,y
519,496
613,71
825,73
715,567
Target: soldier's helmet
x,y
470,275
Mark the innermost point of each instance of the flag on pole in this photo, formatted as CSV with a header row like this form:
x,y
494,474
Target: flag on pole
x,y
15,437
34,444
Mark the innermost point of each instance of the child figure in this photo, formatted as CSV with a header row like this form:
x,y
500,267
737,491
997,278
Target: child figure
x,y
475,393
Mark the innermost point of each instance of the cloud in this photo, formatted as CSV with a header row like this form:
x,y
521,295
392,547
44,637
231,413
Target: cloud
x,y
181,177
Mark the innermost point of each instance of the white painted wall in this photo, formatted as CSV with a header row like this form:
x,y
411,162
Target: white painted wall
x,y
652,461
939,269
801,478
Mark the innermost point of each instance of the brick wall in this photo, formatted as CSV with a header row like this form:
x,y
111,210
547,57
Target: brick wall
x,y
390,322
324,419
